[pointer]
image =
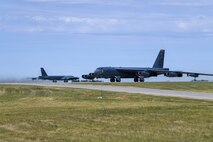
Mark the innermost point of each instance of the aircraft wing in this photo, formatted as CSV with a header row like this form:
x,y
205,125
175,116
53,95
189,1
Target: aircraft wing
x,y
136,70
165,71
65,78
181,73
143,72
193,73
33,78
69,78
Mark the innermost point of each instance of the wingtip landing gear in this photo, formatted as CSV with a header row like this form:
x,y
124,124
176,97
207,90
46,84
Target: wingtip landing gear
x,y
195,76
195,79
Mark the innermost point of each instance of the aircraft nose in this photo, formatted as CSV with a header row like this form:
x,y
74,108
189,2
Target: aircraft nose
x,y
98,72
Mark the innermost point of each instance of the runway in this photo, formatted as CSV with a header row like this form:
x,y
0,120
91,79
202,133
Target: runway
x,y
154,92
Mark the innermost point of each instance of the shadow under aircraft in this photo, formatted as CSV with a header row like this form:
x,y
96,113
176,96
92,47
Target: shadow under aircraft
x,y
139,74
55,78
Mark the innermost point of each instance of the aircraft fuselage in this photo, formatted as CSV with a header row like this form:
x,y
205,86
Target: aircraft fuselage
x,y
111,72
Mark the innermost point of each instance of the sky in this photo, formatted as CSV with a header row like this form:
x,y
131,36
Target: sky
x,y
76,36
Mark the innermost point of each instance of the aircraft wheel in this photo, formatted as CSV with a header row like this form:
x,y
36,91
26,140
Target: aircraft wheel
x,y
135,79
54,81
65,81
118,80
141,80
112,80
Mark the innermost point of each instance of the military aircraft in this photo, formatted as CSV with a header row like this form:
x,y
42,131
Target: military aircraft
x,y
64,78
139,74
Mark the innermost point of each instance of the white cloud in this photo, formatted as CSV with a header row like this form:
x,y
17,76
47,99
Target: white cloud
x,y
89,21
98,2
83,19
74,24
132,2
32,29
39,18
155,23
195,24
182,3
182,25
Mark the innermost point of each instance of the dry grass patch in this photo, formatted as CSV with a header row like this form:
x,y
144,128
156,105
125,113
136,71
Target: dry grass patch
x,y
61,114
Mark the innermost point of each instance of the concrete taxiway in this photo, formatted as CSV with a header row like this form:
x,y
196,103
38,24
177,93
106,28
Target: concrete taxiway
x,y
154,92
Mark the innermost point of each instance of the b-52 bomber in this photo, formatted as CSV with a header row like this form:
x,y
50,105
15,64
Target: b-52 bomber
x,y
55,78
139,74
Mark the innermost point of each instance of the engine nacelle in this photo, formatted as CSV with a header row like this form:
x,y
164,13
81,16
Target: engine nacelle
x,y
173,74
92,74
90,77
193,75
144,73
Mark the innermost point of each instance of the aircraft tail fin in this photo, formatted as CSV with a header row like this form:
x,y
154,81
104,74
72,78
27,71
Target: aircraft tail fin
x,y
43,72
159,62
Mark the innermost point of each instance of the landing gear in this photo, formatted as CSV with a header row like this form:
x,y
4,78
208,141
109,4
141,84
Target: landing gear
x,y
112,80
54,81
115,79
139,79
195,79
142,80
195,76
65,81
136,79
118,80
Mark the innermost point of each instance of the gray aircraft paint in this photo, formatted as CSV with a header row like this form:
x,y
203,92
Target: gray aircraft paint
x,y
116,73
65,78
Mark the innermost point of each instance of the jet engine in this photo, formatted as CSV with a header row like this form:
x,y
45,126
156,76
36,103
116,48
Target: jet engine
x,y
144,74
193,75
173,74
91,76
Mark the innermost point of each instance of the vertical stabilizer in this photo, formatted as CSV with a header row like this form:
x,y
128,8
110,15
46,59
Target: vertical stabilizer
x,y
159,62
43,72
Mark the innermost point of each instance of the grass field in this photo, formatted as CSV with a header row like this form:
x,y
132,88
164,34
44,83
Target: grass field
x,y
180,86
60,114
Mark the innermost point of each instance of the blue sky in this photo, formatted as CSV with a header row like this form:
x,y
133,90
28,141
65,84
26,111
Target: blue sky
x,y
76,36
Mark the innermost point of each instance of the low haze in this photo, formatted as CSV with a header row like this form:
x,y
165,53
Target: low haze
x,y
76,36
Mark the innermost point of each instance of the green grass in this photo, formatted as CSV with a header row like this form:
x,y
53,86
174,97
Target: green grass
x,y
180,86
30,114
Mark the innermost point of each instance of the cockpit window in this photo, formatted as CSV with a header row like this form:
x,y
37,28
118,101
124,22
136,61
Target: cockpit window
x,y
99,70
